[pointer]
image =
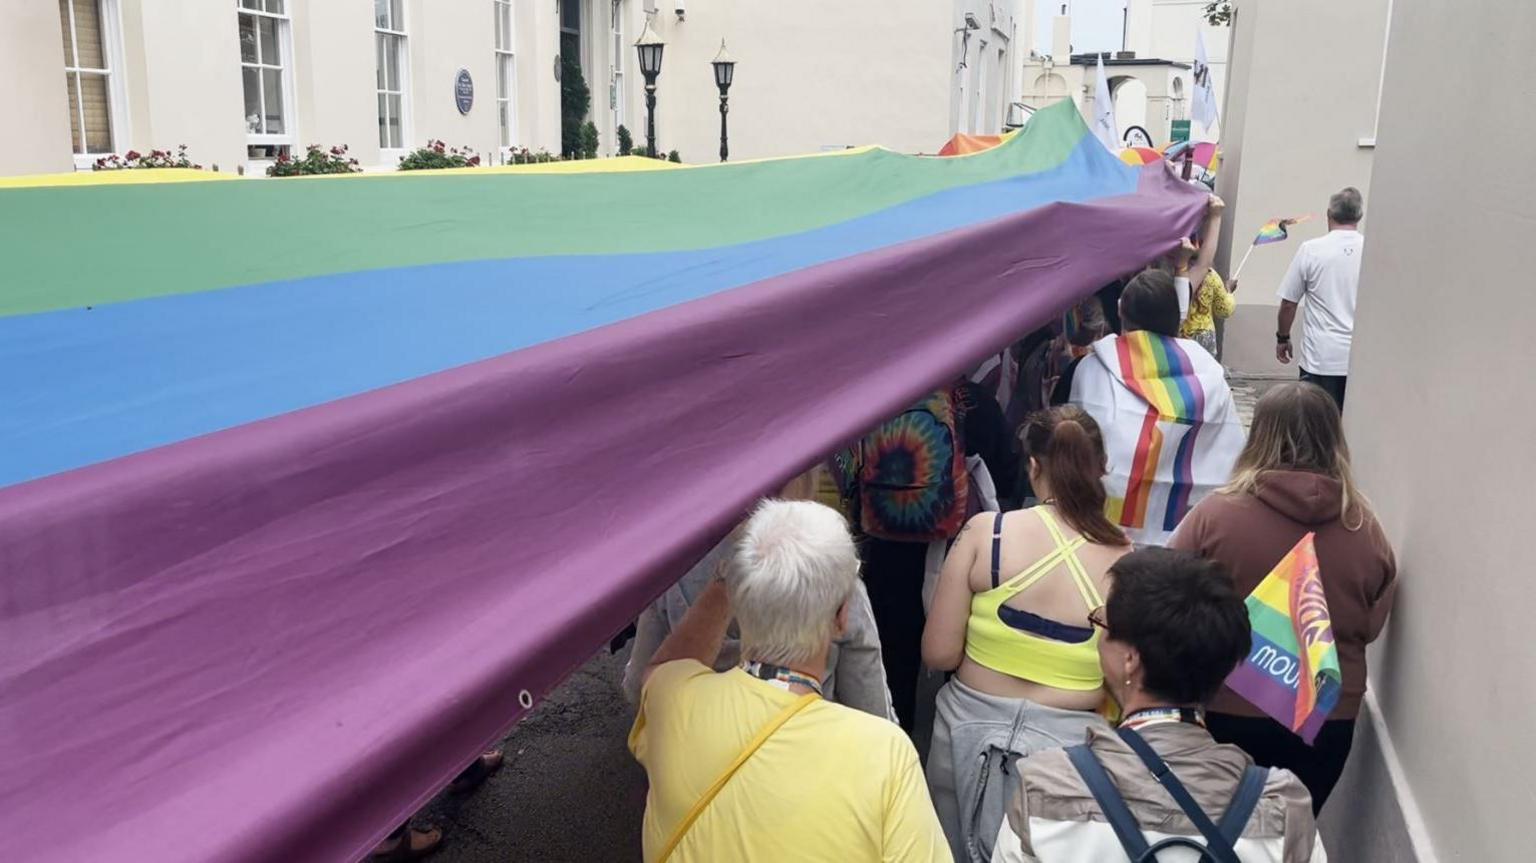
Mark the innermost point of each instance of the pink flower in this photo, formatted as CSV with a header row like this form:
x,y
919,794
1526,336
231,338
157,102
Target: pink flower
x,y
474,161
133,154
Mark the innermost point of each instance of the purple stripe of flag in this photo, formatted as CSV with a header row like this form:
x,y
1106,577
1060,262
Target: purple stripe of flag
x,y
279,640
1184,456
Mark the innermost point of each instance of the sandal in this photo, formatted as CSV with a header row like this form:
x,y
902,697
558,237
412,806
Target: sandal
x,y
407,844
477,772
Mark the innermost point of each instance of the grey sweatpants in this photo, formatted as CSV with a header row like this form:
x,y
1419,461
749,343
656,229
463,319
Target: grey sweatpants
x,y
977,740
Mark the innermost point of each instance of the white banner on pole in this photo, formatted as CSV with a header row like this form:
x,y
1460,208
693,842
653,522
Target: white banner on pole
x,y
1104,113
1204,110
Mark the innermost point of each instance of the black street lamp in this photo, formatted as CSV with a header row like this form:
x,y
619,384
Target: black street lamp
x,y
725,70
649,45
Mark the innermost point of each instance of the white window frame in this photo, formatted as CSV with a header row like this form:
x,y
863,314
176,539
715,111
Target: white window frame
x,y
390,155
505,69
110,20
617,103
284,28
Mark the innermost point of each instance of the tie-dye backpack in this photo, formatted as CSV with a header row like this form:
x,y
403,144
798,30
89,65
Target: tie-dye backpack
x,y
906,481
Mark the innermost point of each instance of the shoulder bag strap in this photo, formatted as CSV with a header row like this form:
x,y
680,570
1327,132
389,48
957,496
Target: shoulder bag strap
x,y
1110,802
1243,803
1217,844
704,800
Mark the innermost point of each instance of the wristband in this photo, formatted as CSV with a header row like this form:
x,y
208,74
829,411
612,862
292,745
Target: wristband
x,y
1283,338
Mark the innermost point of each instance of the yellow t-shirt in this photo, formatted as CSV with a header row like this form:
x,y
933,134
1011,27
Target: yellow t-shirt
x,y
832,784
1213,301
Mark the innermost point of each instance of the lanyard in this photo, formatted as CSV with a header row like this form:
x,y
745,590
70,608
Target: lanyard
x,y
780,676
1163,715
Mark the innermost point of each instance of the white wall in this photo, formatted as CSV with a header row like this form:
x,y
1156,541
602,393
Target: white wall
x,y
1440,416
451,35
36,139
991,78
183,67
180,73
810,75
1293,125
538,44
335,75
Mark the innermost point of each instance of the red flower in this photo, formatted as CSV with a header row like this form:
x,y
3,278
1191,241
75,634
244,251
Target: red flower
x,y
133,154
335,151
474,161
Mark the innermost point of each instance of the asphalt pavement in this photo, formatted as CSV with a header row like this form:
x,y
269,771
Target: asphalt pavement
x,y
569,791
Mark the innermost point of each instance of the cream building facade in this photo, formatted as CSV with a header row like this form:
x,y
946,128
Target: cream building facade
x,y
1439,419
240,81
1293,133
1149,75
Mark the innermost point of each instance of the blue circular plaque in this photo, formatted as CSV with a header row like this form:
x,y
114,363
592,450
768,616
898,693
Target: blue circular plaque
x,y
463,91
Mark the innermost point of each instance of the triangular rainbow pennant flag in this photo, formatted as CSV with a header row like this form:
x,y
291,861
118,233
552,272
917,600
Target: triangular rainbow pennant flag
x,y
1276,230
1292,672
1272,231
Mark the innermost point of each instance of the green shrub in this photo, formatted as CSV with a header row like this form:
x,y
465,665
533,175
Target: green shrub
x,y
575,99
436,154
674,157
589,140
626,141
524,156
315,161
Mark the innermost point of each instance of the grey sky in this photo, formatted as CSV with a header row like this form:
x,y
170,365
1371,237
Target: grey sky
x,y
1096,24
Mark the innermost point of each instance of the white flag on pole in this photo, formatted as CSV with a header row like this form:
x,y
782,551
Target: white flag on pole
x,y
1104,113
1204,109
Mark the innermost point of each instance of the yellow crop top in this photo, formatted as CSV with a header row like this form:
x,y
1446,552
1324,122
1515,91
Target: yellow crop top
x,y
992,643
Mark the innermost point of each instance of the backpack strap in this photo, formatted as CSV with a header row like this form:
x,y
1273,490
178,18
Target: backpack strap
x,y
1243,803
1217,845
997,547
1110,802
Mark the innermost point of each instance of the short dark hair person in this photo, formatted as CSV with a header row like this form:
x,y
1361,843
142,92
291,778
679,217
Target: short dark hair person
x,y
1151,302
1184,618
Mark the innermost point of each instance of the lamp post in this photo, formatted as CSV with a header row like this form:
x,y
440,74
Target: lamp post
x,y
725,70
649,45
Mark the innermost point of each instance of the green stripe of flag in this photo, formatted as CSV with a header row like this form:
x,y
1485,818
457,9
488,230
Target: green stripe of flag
x,y
1272,625
86,245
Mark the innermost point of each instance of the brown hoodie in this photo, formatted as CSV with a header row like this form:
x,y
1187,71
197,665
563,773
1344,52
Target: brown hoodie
x,y
1251,533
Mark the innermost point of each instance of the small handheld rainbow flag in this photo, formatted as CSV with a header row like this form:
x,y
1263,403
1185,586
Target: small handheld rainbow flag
x,y
1292,672
1276,230
1273,231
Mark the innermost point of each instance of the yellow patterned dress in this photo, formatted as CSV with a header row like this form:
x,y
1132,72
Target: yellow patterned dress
x,y
1214,301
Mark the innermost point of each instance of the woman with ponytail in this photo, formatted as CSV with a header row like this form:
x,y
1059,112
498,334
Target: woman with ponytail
x,y
1010,618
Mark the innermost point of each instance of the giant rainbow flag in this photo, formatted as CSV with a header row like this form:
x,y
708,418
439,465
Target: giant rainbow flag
x,y
1292,671
310,488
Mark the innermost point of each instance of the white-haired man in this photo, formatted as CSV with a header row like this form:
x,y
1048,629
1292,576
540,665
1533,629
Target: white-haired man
x,y
1326,272
751,764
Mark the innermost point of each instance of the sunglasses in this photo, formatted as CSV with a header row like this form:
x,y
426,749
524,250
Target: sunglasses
x,y
1097,618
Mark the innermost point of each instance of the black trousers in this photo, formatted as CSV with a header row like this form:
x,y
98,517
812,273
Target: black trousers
x,y
1334,384
1273,745
893,574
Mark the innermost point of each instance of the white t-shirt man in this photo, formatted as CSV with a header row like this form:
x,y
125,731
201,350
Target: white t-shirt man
x,y
1327,272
